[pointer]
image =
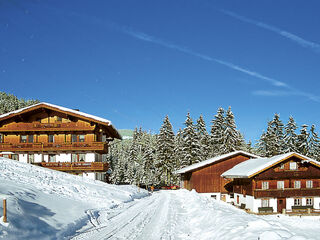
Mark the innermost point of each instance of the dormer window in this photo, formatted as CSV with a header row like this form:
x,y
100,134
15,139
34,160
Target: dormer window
x,y
293,166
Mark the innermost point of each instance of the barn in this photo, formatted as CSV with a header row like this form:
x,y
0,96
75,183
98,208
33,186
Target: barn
x,y
205,177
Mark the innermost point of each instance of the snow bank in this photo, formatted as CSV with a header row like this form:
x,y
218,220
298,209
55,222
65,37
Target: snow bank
x,y
47,204
214,219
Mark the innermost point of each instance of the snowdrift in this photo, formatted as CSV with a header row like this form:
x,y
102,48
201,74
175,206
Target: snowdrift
x,y
47,204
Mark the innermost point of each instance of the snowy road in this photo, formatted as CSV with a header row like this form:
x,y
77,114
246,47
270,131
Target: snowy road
x,y
160,216
186,215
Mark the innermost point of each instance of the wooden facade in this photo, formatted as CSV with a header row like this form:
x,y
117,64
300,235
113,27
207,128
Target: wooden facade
x,y
207,179
54,132
292,179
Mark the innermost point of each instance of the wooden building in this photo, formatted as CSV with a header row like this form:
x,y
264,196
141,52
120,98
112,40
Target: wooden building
x,y
58,138
205,177
287,182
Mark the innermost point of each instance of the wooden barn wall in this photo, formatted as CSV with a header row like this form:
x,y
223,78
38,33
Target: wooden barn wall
x,y
208,178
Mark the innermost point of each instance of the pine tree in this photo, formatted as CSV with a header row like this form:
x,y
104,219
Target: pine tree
x,y
217,133
9,102
204,138
165,150
191,144
290,138
314,144
232,138
302,140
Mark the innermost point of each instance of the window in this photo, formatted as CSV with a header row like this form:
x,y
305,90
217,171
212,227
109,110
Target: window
x,y
5,155
264,202
309,184
281,166
81,138
297,184
30,138
293,166
309,201
52,158
78,157
265,185
50,138
297,202
15,157
23,138
280,184
82,157
74,138
30,158
1,138
59,119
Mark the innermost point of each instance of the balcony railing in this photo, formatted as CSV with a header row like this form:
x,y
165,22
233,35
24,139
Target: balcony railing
x,y
54,147
287,192
36,126
75,166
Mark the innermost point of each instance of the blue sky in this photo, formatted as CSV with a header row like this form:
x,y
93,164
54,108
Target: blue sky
x,y
134,62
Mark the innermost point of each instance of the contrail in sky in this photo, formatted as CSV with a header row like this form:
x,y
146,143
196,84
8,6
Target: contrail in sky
x,y
148,38
289,91
299,40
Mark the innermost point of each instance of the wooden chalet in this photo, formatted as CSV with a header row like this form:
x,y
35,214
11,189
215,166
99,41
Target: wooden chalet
x,y
58,138
285,183
205,177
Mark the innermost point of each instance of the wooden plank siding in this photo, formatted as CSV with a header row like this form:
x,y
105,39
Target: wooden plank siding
x,y
305,172
208,178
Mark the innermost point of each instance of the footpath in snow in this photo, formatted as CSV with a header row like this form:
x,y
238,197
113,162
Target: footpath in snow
x,y
47,204
187,215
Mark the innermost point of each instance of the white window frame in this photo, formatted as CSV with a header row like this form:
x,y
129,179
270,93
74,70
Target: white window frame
x,y
293,166
281,166
265,203
297,202
265,185
52,158
309,184
297,184
309,201
280,184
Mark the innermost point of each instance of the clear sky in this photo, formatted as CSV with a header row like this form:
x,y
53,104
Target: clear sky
x,y
133,62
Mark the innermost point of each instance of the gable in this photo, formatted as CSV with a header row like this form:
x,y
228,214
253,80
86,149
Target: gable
x,y
300,160
285,169
49,113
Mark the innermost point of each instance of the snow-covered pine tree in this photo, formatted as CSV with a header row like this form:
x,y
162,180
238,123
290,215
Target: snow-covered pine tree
x,y
272,141
217,133
232,138
302,140
203,137
165,150
290,137
314,144
261,146
191,144
9,102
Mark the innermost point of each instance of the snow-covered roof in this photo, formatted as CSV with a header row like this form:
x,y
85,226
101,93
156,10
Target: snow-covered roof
x,y
251,167
72,111
215,159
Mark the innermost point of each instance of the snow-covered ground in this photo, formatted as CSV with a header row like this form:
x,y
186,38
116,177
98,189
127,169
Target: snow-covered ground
x,y
45,204
187,215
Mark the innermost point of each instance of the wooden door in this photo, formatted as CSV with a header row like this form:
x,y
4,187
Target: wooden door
x,y
281,204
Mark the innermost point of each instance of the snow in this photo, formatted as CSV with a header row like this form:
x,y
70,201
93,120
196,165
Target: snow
x,y
252,166
47,204
186,215
215,159
62,109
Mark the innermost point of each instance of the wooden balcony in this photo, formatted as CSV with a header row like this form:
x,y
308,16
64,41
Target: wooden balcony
x,y
287,192
100,147
76,166
46,127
